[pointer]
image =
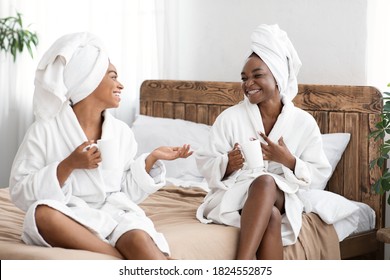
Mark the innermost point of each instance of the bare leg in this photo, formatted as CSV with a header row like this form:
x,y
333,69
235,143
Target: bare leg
x,y
260,221
61,231
271,247
138,245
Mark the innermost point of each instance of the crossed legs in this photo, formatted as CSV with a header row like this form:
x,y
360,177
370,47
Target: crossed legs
x,y
260,233
61,231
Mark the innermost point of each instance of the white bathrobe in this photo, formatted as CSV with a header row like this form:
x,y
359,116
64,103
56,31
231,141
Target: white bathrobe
x,y
240,123
105,201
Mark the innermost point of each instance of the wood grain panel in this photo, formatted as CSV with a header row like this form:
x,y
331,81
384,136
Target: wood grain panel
x,y
158,109
339,98
168,110
336,182
336,122
351,158
180,111
218,93
379,202
322,120
190,112
214,111
202,114
143,108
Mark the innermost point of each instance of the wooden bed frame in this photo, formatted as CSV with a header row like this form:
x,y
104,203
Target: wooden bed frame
x,y
352,109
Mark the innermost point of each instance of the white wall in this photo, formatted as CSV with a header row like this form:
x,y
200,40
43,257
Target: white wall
x,y
330,36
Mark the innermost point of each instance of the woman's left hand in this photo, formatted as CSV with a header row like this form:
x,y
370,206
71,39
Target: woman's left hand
x,y
171,153
166,153
277,152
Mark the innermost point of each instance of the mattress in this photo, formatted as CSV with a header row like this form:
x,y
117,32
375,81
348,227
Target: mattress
x,y
172,209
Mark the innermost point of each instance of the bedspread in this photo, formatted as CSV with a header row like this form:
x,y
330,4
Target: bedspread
x,y
172,209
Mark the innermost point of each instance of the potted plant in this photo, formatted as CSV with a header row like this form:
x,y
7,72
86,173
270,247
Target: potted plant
x,y
382,184
14,37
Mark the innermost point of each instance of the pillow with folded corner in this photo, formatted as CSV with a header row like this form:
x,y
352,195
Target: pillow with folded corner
x,y
332,209
153,132
334,145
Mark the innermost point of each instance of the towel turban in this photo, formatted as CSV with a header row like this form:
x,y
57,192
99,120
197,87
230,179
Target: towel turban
x,y
274,47
70,70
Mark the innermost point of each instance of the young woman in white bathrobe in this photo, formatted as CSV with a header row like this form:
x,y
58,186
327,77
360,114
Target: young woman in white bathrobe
x,y
263,202
57,177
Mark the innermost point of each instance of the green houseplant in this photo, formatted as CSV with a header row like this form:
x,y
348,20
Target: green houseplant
x,y
382,184
14,37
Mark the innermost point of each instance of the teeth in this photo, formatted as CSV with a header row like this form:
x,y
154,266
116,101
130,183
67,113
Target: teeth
x,y
250,92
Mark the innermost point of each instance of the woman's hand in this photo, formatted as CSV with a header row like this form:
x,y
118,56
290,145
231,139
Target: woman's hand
x,y
171,153
166,153
277,152
235,160
84,156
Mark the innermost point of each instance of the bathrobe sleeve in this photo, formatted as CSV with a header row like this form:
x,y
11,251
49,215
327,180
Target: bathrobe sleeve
x,y
212,159
312,168
33,176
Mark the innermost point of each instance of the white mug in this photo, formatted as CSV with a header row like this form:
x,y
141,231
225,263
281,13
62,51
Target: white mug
x,y
252,154
109,151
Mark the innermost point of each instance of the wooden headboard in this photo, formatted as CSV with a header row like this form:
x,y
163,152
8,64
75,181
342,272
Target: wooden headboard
x,y
352,109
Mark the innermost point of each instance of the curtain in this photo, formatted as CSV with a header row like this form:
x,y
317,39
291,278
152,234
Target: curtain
x,y
128,28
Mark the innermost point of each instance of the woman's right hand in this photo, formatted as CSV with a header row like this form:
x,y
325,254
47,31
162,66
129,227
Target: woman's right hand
x,y
235,160
84,156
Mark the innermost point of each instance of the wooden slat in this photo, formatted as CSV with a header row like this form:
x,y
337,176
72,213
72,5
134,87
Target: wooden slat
x,y
378,203
352,181
322,120
143,108
179,111
364,160
214,111
336,182
168,110
190,112
336,122
158,109
202,114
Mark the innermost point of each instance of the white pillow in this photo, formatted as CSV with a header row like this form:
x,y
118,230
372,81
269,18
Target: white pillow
x,y
334,145
332,208
152,132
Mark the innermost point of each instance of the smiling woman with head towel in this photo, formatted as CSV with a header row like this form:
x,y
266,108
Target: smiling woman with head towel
x,y
60,175
263,200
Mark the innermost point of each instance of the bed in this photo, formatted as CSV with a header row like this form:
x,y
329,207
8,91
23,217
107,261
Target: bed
x,y
185,110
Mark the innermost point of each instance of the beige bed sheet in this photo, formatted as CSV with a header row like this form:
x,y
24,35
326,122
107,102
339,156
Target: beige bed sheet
x,y
172,209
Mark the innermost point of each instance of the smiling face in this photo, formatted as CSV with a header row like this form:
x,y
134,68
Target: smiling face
x,y
258,83
107,94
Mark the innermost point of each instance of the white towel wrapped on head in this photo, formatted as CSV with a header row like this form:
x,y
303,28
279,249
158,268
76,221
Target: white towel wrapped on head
x,y
70,70
274,47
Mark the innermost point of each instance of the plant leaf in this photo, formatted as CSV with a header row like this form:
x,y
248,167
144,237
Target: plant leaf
x,y
14,38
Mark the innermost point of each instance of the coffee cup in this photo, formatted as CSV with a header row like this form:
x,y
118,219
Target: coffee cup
x,y
109,152
252,154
